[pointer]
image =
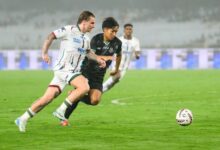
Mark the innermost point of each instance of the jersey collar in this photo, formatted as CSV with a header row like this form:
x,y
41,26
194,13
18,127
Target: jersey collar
x,y
128,39
80,30
106,42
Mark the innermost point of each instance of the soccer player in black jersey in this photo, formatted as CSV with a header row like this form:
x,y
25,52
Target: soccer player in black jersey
x,y
105,45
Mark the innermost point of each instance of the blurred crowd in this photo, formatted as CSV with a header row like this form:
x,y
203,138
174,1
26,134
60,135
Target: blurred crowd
x,y
159,26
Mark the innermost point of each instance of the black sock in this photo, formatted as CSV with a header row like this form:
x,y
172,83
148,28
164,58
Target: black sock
x,y
70,109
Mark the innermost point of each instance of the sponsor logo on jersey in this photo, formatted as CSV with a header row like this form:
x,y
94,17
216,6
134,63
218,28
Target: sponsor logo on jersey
x,y
111,50
116,47
76,40
105,47
82,50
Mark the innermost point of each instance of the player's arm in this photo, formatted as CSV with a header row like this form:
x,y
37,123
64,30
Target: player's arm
x,y
93,45
117,64
46,46
118,60
56,34
106,58
137,54
137,50
92,56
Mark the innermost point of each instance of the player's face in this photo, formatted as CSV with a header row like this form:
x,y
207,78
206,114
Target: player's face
x,y
110,33
128,31
89,25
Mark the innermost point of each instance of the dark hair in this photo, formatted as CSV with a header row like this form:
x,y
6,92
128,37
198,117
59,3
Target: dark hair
x,y
85,15
128,25
109,22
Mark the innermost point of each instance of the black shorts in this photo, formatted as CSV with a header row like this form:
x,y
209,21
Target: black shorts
x,y
95,81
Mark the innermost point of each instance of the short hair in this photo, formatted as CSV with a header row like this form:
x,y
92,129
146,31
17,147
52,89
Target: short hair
x,y
128,25
109,22
85,15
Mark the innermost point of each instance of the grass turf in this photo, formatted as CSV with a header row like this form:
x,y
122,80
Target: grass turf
x,y
144,118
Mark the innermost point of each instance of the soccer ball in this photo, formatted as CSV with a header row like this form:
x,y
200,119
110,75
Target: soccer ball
x,y
184,117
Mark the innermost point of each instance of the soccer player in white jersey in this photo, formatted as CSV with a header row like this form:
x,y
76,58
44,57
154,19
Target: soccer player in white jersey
x,y
130,47
74,41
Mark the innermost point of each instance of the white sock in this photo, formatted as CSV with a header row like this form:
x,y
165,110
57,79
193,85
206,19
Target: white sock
x,y
64,106
27,115
107,84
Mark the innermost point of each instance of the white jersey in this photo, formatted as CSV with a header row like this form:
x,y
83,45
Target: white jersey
x,y
129,46
70,54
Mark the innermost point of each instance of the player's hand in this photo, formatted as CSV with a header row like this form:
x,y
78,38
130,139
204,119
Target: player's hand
x,y
137,56
46,58
101,62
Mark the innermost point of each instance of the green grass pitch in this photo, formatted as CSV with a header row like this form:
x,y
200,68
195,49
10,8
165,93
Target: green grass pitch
x,y
143,119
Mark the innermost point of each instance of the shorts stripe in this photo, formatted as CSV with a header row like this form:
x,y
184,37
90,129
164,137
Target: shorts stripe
x,y
56,87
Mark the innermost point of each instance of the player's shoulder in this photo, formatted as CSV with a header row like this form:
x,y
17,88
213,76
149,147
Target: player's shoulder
x,y
122,38
117,40
72,28
67,27
135,39
98,36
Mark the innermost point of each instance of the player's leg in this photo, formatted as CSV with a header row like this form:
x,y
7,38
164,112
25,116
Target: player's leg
x,y
54,89
81,88
111,81
51,93
95,92
38,105
93,98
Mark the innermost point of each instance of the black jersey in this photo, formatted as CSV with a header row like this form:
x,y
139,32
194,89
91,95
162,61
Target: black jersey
x,y
101,48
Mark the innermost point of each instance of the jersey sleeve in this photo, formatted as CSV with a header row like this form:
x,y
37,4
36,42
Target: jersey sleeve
x,y
93,44
137,46
119,49
62,32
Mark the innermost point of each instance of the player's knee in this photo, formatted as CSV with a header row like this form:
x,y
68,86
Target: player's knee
x,y
86,89
118,75
116,80
95,101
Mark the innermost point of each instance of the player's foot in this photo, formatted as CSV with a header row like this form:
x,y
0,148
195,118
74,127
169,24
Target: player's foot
x,y
59,115
21,124
64,123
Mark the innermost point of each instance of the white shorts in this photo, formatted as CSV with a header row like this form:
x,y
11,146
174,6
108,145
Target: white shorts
x,y
62,78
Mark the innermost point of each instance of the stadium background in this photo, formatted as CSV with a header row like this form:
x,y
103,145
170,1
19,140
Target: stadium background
x,y
179,38
166,27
